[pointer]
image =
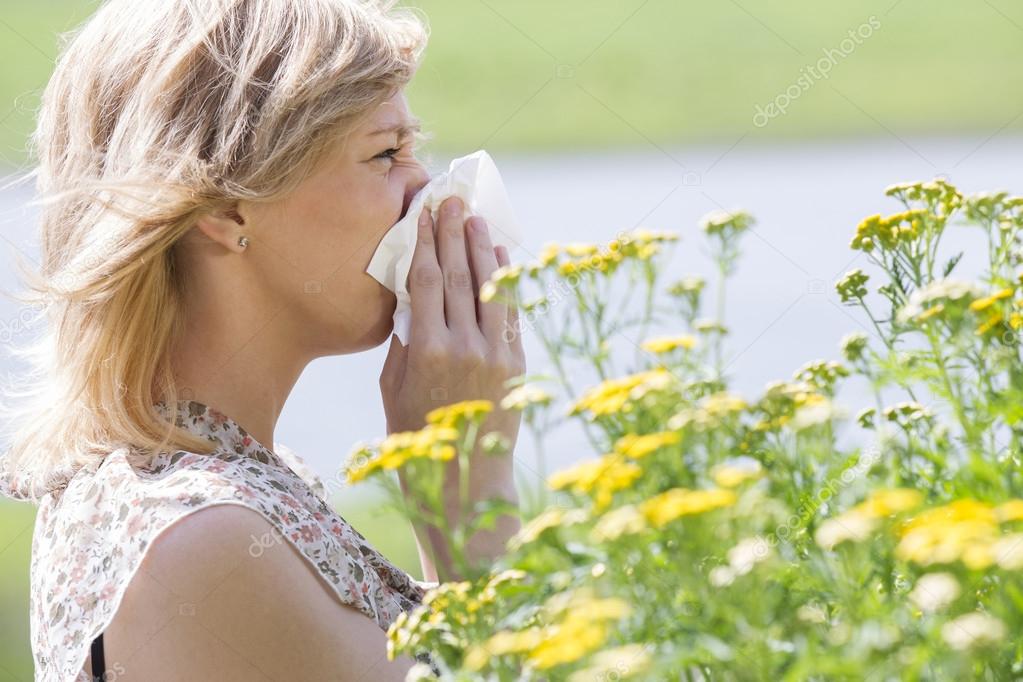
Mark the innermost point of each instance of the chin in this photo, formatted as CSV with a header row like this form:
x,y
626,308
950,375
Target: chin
x,y
377,330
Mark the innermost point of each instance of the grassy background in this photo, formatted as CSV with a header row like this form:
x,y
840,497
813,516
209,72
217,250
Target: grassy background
x,y
536,75
553,77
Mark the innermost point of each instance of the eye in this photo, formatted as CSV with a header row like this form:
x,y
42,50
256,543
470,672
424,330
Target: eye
x,y
388,153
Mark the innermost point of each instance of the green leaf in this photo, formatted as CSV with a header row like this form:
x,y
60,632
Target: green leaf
x,y
950,265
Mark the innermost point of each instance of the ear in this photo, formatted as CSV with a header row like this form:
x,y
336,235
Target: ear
x,y
223,226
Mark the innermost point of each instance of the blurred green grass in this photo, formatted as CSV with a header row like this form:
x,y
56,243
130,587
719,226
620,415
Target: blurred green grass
x,y
653,71
16,524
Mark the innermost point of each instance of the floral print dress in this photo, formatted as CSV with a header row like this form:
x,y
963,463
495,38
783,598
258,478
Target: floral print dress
x,y
94,526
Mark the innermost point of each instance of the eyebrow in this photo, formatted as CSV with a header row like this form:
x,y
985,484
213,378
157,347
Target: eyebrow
x,y
403,129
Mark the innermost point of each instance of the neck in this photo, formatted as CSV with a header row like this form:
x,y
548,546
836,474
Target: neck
x,y
243,363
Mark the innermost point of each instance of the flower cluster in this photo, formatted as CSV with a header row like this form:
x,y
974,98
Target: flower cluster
x,y
853,345
671,504
945,299
781,402
599,478
577,258
965,530
457,415
821,374
619,395
522,397
726,224
667,344
852,287
889,232
434,442
575,623
857,523
802,548
938,196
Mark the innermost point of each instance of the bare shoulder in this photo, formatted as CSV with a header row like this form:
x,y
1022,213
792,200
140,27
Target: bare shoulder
x,y
220,595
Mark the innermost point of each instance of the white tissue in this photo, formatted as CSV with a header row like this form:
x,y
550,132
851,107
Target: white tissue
x,y
476,181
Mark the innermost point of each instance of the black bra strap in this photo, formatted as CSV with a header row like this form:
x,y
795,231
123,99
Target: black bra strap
x,y
98,660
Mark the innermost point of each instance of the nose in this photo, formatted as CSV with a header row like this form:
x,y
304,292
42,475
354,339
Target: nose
x,y
417,180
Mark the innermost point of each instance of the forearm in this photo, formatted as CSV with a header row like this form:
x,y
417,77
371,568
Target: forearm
x,y
490,477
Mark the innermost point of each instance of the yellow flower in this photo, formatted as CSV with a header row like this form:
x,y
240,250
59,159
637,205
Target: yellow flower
x,y
488,290
670,505
962,530
886,502
499,644
568,268
722,403
454,414
847,526
489,592
569,642
521,397
666,344
930,312
578,249
647,251
507,642
584,599
989,324
736,471
608,664
617,522
600,477
1010,511
548,518
431,442
549,254
988,301
476,657
613,395
506,274
582,629
642,235
637,446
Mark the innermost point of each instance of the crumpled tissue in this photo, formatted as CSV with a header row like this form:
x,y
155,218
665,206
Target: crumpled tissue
x,y
476,181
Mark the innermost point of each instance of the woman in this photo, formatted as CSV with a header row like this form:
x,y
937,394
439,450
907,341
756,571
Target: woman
x,y
218,174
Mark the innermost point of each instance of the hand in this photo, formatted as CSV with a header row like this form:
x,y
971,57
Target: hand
x,y
459,348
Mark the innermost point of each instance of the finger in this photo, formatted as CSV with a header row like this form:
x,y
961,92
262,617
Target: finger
x,y
512,333
426,283
492,314
459,302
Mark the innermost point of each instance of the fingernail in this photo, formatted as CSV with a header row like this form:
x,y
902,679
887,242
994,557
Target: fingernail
x,y
424,217
453,206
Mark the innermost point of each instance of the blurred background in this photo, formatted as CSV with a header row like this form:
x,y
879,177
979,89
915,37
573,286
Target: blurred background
x,y
606,116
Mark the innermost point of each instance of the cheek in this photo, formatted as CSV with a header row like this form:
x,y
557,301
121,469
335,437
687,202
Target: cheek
x,y
332,230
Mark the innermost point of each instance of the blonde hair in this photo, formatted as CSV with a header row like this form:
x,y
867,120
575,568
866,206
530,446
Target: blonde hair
x,y
159,110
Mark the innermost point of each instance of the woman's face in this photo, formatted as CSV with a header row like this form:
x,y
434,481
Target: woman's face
x,y
317,242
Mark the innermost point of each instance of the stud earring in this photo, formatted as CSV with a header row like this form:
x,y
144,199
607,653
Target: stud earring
x,y
243,241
